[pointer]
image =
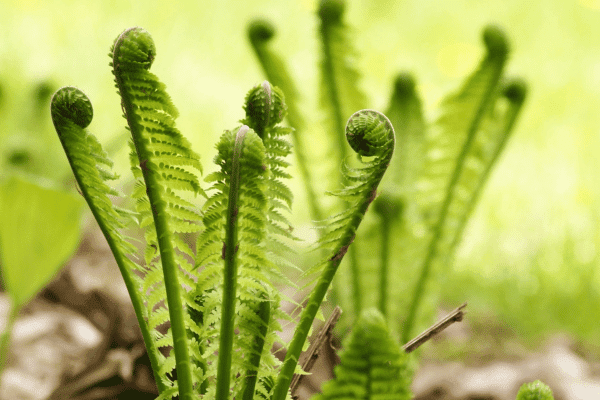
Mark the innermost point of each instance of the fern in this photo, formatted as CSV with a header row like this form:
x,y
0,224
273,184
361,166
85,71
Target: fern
x,y
260,33
167,165
535,391
456,143
254,260
71,114
340,95
371,135
373,366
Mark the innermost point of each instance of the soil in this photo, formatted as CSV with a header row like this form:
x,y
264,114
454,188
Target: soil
x,y
78,339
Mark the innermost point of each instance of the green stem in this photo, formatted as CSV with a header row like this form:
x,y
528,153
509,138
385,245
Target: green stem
x,y
432,251
132,288
230,248
251,377
384,264
355,280
332,91
164,236
6,335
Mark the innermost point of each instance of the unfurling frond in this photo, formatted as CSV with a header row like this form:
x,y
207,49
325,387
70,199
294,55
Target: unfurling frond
x,y
373,366
163,164
460,149
371,135
71,113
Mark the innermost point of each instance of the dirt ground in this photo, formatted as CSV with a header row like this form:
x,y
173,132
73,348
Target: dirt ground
x,y
79,340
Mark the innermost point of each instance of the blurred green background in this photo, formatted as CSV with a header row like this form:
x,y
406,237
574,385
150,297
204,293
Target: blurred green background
x,y
530,254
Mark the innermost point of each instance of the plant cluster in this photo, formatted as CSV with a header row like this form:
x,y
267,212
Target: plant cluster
x,y
210,309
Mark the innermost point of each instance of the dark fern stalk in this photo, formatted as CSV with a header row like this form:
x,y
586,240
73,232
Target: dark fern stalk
x,y
371,135
160,150
462,117
71,113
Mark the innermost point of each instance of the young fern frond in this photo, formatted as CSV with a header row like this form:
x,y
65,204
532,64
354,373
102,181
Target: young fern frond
x,y
237,217
373,366
167,164
340,95
452,146
260,33
535,391
371,135
71,113
265,109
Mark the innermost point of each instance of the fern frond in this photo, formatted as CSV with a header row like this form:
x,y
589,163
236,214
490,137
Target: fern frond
x,y
373,366
235,281
260,33
265,108
71,113
371,135
452,142
151,115
340,94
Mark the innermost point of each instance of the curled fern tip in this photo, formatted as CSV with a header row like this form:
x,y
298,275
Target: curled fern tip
x,y
260,30
516,91
71,103
369,132
134,49
404,84
495,41
264,106
331,11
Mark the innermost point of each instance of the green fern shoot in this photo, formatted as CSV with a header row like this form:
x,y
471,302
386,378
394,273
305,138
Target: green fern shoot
x,y
371,135
373,366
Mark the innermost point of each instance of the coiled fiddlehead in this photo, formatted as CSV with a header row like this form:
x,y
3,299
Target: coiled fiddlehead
x,y
535,391
71,113
371,134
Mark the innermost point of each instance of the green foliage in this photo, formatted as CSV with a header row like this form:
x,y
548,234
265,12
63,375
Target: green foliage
x,y
371,135
535,391
373,366
220,299
39,231
435,179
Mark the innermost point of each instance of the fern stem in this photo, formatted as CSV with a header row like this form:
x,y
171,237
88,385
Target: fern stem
x,y
264,313
164,235
384,265
359,132
355,281
515,93
330,80
497,57
230,248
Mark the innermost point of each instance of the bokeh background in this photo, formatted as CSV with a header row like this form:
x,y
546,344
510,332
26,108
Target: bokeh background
x,y
530,255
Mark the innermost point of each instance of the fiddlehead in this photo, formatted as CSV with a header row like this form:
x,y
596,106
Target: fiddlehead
x,y
164,164
371,134
71,113
372,366
535,391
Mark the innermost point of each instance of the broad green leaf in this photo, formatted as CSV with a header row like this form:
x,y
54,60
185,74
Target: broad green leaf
x,y
39,231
